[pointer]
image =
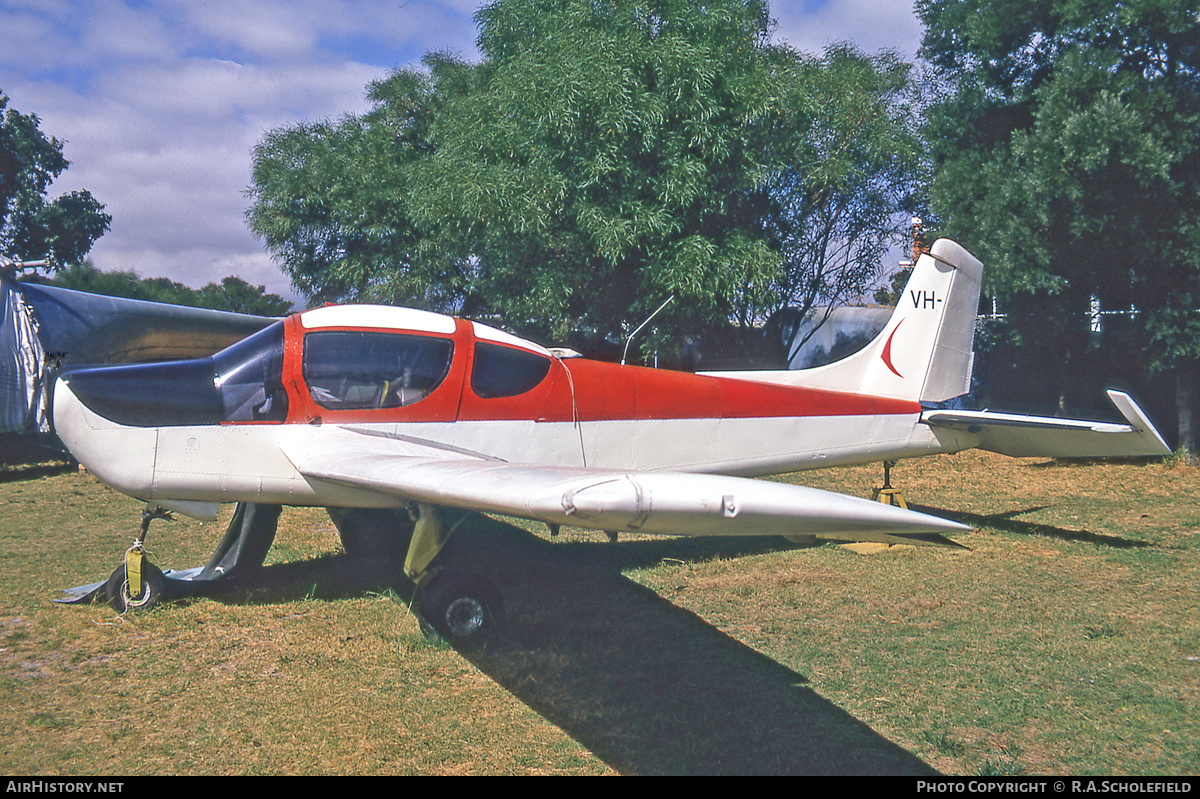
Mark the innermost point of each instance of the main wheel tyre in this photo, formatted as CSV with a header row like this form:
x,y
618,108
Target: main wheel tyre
x,y
463,610
151,593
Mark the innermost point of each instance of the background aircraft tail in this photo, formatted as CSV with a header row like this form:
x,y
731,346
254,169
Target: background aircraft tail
x,y
924,351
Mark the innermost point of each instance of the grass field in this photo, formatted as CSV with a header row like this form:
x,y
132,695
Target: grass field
x,y
1064,639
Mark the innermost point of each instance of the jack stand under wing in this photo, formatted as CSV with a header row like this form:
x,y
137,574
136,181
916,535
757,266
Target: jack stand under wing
x,y
887,494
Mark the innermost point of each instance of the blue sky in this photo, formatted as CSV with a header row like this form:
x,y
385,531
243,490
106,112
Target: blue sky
x,y
160,102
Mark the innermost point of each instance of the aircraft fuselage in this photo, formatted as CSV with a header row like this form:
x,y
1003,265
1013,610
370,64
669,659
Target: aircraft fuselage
x,y
215,429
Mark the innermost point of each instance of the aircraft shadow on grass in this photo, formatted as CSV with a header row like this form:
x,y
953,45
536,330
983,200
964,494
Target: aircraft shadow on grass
x,y
1007,522
646,686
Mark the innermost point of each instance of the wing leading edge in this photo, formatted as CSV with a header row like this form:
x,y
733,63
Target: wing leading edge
x,y
660,503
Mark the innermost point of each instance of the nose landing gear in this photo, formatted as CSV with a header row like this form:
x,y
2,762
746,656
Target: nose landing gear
x,y
137,584
139,588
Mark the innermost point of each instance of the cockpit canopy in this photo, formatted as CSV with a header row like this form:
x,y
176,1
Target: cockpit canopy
x,y
344,369
249,378
242,383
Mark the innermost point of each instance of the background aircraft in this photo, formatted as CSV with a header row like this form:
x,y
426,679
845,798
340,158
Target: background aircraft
x,y
44,328
379,408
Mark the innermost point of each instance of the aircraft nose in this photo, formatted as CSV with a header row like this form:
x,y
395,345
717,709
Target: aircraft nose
x,y
149,395
67,417
123,457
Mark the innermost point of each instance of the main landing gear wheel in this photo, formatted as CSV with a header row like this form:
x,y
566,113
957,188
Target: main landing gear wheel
x,y
122,597
462,609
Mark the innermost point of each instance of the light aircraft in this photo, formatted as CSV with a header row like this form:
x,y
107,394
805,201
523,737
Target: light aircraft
x,y
384,407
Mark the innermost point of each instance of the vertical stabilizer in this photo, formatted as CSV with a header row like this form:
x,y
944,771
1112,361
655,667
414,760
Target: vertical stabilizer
x,y
925,350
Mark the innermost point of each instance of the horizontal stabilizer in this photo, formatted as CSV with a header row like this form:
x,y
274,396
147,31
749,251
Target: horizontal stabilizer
x,y
1050,437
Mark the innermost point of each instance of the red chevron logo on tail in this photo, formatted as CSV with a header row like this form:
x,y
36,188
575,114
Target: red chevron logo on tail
x,y
886,355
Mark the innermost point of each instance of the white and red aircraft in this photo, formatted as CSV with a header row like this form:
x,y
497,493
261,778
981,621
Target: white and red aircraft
x,y
370,406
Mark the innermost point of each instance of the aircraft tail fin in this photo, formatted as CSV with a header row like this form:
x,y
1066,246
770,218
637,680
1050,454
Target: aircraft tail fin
x,y
925,351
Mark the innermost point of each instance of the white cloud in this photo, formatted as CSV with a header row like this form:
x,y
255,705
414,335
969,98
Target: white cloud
x,y
268,30
872,25
110,31
166,145
161,102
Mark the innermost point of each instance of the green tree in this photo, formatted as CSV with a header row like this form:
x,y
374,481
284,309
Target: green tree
x,y
1067,155
235,294
600,157
231,294
32,229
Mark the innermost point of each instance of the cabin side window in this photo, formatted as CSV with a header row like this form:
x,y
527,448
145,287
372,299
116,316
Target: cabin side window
x,y
348,370
506,371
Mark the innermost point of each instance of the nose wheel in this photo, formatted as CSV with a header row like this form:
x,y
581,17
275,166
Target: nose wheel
x,y
137,584
138,588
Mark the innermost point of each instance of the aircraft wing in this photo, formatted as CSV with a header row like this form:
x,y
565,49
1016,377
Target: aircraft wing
x,y
1040,436
661,503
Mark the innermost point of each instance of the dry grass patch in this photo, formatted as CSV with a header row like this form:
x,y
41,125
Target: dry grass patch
x,y
1064,640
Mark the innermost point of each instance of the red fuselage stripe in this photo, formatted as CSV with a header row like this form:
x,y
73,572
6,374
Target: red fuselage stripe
x,y
608,392
582,390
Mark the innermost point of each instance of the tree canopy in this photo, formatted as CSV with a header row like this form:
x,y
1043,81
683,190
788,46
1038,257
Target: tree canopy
x,y
600,157
1067,150
32,229
231,294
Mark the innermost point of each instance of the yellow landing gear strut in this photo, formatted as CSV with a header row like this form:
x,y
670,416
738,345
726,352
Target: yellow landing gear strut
x,y
135,558
429,536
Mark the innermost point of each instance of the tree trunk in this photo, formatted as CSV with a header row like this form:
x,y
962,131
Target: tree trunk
x,y
1185,403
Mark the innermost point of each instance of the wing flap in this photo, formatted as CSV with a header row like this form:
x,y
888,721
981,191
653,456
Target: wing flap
x,y
664,503
1042,436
